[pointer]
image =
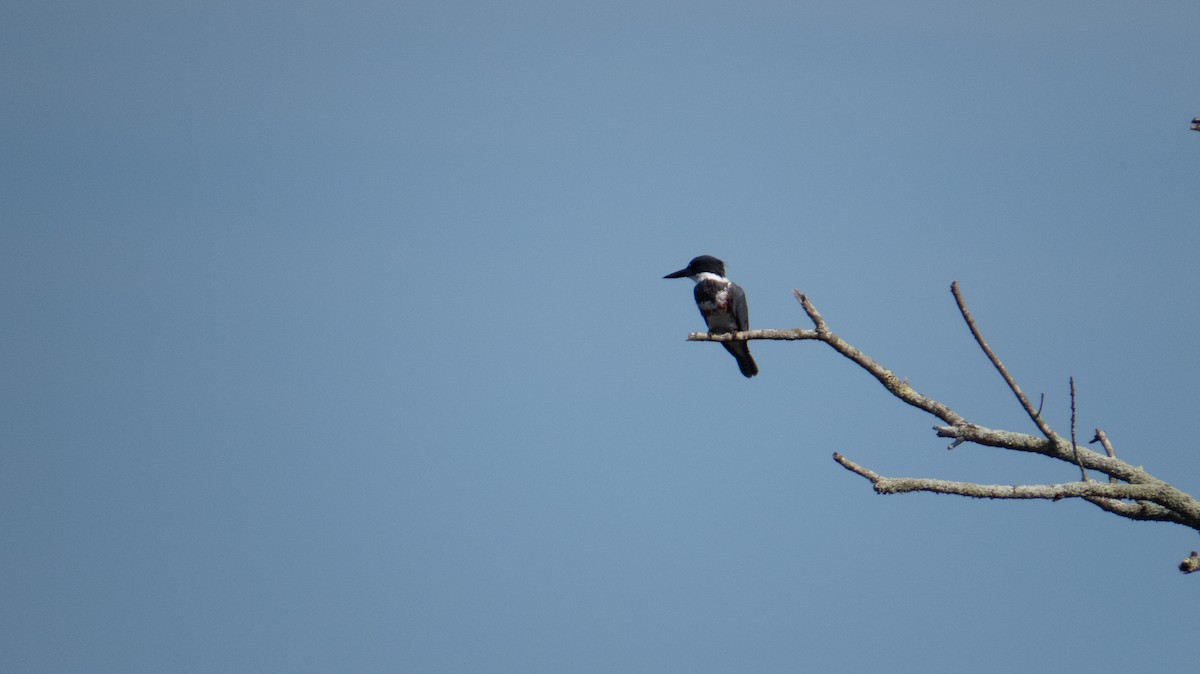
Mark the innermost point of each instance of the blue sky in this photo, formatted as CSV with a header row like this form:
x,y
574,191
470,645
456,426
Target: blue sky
x,y
335,336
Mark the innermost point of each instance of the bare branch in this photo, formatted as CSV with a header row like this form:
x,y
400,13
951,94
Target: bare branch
x,y
1106,495
1033,414
1191,564
1131,492
1052,492
890,381
796,334
1141,510
1061,450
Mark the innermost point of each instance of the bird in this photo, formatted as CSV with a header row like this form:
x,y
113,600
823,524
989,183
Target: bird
x,y
722,303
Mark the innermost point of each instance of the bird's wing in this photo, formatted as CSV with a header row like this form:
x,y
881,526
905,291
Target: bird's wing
x,y
737,304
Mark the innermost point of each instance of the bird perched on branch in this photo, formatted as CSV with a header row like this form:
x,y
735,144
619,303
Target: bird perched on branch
x,y
723,305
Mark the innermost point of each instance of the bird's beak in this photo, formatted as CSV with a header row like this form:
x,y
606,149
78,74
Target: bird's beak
x,y
678,274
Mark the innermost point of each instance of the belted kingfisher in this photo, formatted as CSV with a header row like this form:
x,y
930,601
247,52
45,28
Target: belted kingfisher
x,y
723,305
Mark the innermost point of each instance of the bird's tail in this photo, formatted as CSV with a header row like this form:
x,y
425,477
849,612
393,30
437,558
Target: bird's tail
x,y
741,351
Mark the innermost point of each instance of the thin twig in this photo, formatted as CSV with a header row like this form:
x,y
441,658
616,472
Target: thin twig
x,y
1012,385
1074,446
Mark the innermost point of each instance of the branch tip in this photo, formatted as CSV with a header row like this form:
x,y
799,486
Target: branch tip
x,y
849,465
